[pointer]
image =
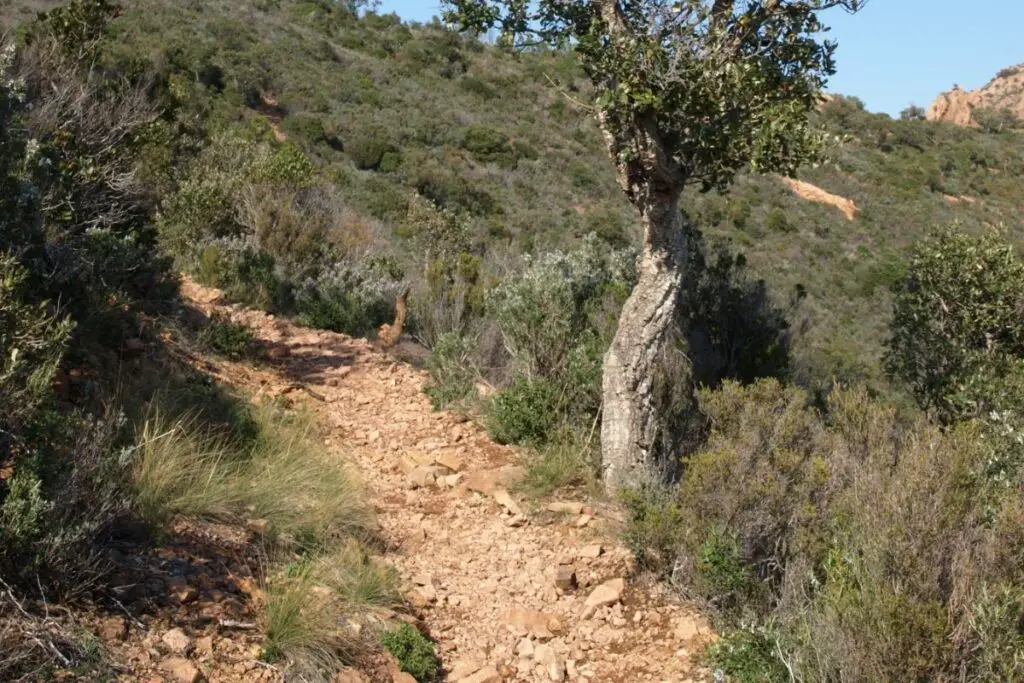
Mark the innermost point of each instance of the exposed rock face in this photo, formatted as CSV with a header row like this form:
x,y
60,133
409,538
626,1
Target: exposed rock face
x,y
958,106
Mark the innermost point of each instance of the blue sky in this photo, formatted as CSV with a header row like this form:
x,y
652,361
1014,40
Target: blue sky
x,y
896,51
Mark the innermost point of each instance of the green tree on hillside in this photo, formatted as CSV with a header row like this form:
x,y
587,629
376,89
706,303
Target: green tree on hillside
x,y
687,94
957,335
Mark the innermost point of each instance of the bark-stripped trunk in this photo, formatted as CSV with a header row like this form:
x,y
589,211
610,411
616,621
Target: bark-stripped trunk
x,y
631,422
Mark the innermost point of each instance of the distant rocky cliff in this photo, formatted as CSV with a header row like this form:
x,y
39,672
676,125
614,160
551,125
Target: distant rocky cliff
x,y
961,107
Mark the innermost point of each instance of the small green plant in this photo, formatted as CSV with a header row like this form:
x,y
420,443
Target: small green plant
x,y
654,527
524,413
572,459
414,652
747,656
227,338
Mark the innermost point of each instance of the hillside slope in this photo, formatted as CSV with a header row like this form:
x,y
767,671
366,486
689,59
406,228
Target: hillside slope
x,y
387,109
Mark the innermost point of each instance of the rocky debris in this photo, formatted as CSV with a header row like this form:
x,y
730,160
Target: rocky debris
x,y
114,628
517,521
608,593
505,500
181,670
486,481
565,579
204,646
552,662
501,593
565,507
686,629
488,674
177,642
532,622
422,476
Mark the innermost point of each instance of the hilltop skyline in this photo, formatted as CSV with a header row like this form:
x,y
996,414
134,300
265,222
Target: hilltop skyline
x,y
894,53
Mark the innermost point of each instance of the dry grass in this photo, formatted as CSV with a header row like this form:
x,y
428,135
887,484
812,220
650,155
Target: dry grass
x,y
308,496
319,594
35,643
317,608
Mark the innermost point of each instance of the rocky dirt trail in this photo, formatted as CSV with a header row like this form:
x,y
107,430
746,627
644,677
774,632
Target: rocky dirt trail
x,y
509,592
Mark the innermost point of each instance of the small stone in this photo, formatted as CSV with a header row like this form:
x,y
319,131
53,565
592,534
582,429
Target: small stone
x,y
591,551
204,646
463,669
187,594
453,480
531,622
177,641
450,461
583,521
565,507
565,579
423,579
686,629
525,648
488,674
181,670
517,521
505,500
423,596
552,662
608,593
422,477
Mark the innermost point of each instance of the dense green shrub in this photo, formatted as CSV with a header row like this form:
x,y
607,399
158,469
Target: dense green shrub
x,y
345,299
367,148
227,338
957,324
414,652
490,146
524,413
841,538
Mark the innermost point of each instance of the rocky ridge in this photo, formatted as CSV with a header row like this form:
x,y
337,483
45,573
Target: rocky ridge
x,y
959,106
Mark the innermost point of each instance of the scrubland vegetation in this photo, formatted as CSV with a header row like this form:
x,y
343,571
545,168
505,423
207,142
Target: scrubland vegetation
x,y
849,497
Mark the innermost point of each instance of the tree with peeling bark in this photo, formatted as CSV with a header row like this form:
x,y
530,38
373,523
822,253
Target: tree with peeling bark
x,y
687,93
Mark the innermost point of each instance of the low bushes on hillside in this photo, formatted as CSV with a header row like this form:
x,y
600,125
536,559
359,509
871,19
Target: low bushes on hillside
x,y
860,546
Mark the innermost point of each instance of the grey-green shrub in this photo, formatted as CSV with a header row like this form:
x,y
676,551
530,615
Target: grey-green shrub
x,y
450,365
343,298
864,547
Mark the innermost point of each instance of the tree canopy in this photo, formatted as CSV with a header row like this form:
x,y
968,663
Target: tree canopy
x,y
719,86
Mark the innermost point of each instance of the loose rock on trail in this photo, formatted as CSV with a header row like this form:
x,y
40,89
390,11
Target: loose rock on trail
x,y
508,593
